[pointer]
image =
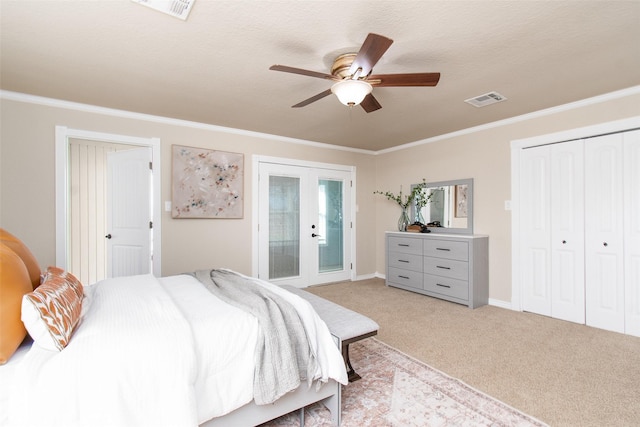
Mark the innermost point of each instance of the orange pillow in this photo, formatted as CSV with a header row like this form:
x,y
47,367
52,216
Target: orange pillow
x,y
51,312
23,252
14,283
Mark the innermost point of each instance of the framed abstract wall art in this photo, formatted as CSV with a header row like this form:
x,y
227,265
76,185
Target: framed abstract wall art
x,y
206,183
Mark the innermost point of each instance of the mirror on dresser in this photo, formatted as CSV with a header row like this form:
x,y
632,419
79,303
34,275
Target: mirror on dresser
x,y
450,207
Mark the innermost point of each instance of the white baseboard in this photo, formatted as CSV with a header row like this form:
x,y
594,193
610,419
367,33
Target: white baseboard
x,y
500,303
368,276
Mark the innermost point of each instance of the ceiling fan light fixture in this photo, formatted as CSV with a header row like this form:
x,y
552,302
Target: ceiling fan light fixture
x,y
351,92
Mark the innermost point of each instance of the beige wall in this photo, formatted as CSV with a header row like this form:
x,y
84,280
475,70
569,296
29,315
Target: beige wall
x,y
28,192
485,156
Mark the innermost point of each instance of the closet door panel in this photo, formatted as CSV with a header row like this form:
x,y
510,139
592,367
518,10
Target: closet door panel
x,y
567,231
604,233
632,231
535,230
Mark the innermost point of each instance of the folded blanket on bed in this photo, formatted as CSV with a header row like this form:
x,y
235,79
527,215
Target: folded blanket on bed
x,y
283,355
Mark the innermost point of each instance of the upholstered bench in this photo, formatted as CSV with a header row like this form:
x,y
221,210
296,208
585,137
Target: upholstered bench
x,y
347,325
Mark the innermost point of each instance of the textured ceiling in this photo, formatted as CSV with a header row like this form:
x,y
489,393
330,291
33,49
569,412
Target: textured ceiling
x,y
214,67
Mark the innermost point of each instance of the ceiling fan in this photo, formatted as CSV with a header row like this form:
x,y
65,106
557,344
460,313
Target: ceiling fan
x,y
354,82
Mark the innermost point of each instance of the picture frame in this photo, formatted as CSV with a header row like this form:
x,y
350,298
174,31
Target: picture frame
x,y
461,201
206,183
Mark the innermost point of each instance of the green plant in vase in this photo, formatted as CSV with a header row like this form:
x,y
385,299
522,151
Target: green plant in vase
x,y
405,201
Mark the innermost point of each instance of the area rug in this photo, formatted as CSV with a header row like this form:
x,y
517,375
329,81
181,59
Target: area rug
x,y
397,390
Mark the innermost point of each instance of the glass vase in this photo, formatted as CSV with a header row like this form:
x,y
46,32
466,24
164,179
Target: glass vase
x,y
403,221
419,217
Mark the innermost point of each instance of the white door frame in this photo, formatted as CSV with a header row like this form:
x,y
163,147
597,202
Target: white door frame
x,y
516,148
63,135
256,160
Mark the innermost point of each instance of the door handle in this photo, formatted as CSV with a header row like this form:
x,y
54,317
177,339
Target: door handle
x,y
315,235
108,236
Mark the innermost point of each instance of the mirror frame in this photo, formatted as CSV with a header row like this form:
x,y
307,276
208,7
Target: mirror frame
x,y
444,230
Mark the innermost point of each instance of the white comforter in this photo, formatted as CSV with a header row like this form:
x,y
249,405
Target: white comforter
x,y
152,352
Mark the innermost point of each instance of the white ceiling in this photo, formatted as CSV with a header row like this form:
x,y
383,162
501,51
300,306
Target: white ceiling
x,y
214,67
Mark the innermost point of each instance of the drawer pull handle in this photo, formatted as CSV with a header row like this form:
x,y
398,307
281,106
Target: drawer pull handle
x,y
443,286
403,277
403,244
444,268
403,260
443,249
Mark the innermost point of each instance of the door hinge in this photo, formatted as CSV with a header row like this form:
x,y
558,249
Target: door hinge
x,y
150,165
150,224
350,266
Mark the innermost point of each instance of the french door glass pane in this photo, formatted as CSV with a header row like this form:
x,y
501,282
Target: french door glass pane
x,y
284,227
330,226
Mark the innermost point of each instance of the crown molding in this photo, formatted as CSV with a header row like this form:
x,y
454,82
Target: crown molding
x,y
87,108
634,90
50,102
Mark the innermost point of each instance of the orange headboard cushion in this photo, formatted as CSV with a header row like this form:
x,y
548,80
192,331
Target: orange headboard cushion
x,y
14,283
23,252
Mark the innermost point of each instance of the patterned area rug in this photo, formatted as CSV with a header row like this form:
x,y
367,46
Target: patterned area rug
x,y
397,390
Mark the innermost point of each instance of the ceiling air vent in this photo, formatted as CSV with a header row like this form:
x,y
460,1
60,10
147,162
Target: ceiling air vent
x,y
178,8
486,99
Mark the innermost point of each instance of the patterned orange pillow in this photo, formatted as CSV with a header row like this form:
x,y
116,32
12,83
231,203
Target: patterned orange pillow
x,y
52,311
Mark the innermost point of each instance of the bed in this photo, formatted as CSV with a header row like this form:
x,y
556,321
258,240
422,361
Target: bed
x,y
164,351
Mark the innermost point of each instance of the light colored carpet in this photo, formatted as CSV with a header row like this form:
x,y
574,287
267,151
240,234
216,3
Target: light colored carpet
x,y
397,390
562,373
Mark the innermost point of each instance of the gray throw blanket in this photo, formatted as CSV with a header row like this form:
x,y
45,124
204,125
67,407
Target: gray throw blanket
x,y
283,355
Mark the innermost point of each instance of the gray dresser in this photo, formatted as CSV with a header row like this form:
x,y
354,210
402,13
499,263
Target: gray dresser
x,y
446,266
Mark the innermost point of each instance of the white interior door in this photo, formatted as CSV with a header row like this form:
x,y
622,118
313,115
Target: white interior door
x,y
604,233
129,213
304,235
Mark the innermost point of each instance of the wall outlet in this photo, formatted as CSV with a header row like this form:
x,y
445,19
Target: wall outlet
x,y
507,205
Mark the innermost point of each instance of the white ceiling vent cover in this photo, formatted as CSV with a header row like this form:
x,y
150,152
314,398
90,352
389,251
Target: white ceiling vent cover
x,y
178,8
486,99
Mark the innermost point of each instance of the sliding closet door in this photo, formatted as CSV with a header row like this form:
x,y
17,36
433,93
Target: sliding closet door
x,y
604,244
535,229
552,230
567,231
632,232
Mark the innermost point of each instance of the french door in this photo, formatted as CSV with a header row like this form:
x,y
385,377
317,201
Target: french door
x,y
304,230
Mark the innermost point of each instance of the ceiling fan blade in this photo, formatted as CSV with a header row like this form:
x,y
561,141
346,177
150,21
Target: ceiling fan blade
x,y
370,53
302,72
411,79
312,99
370,103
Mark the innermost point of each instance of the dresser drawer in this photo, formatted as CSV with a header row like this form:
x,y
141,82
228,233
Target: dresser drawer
x,y
447,249
446,286
406,261
447,267
405,245
405,277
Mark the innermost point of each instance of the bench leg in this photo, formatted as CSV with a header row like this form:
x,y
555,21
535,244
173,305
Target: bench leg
x,y
353,376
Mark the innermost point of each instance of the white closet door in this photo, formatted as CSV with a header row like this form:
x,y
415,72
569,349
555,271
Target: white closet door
x,y
604,250
632,232
567,231
535,230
